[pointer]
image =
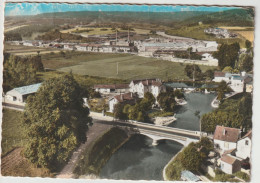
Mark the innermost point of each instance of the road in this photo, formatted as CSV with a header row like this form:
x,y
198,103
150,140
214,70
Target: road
x,y
152,128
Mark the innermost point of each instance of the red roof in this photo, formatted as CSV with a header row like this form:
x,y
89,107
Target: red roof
x,y
112,86
125,97
228,159
226,134
219,74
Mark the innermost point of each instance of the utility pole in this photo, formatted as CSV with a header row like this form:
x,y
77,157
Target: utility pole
x,y
128,36
116,36
117,68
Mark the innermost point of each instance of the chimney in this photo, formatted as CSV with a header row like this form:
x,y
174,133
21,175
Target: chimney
x,y
121,96
147,81
224,131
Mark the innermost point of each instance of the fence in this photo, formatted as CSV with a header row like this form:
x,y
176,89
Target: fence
x,y
8,144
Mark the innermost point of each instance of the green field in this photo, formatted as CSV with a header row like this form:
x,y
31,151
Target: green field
x,y
129,67
12,130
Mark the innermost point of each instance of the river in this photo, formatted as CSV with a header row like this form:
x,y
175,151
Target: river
x,y
137,159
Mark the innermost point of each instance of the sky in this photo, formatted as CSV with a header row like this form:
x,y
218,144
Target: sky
x,y
15,9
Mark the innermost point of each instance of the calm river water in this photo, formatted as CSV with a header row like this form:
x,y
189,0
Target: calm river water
x,y
139,160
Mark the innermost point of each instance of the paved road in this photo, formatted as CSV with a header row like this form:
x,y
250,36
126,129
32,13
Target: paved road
x,y
13,106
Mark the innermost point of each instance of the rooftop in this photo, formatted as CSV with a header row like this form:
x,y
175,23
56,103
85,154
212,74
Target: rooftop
x,y
125,97
228,159
189,176
24,90
226,134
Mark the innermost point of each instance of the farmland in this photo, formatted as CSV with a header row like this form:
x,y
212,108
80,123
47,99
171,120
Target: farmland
x,y
101,31
243,32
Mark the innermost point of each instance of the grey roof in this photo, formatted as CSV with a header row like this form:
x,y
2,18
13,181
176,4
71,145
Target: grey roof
x,y
24,90
189,176
178,85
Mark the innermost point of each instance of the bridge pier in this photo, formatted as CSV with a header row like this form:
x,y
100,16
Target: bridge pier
x,y
155,142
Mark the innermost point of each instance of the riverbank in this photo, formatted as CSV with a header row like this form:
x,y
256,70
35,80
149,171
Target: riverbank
x,y
100,151
174,165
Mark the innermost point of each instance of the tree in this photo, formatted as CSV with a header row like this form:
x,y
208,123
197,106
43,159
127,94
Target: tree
x,y
227,55
209,74
167,101
222,89
178,93
246,62
18,72
234,113
191,70
56,122
248,44
190,158
118,112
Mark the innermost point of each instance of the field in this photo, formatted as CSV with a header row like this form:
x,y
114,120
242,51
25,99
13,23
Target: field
x,y
98,31
12,130
249,35
13,28
129,67
197,32
27,50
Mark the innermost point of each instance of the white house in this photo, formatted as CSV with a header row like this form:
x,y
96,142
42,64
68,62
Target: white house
x,y
127,98
226,138
229,164
153,86
112,88
19,95
244,146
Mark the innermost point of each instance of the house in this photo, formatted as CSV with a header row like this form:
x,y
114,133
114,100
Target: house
x,y
112,88
19,95
226,138
229,164
127,98
189,176
244,146
153,86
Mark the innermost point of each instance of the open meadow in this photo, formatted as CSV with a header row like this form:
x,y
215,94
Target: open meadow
x,y
129,67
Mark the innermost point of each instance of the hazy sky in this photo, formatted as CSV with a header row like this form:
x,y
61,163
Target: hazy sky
x,y
13,9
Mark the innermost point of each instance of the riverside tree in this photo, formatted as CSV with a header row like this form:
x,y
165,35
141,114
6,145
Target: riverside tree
x,y
167,101
56,122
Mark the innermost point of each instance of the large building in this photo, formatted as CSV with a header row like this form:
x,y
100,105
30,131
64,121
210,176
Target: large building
x,y
19,95
153,86
112,88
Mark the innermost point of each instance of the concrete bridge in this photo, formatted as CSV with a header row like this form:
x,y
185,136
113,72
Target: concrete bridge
x,y
155,132
158,136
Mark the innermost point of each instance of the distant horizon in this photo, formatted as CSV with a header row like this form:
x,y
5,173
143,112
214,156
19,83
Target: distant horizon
x,y
28,9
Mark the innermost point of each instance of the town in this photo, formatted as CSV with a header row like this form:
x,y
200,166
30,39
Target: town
x,y
85,95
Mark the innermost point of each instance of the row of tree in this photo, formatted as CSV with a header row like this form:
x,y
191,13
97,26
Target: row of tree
x,y
235,112
194,71
20,71
230,59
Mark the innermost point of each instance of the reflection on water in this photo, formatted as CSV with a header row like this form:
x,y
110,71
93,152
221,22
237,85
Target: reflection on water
x,y
186,118
137,159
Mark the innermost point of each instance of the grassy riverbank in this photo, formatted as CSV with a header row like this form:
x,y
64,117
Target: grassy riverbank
x,y
100,151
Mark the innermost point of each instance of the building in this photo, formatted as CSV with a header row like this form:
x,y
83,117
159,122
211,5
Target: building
x,y
189,176
112,88
226,138
244,146
237,82
153,86
229,164
127,98
19,95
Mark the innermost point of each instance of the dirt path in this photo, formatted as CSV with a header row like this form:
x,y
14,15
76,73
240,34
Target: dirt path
x,y
93,133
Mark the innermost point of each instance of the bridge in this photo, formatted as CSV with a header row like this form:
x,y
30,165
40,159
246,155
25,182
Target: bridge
x,y
155,132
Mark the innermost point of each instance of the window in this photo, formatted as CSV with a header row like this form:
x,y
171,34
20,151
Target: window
x,y
226,145
246,142
14,98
